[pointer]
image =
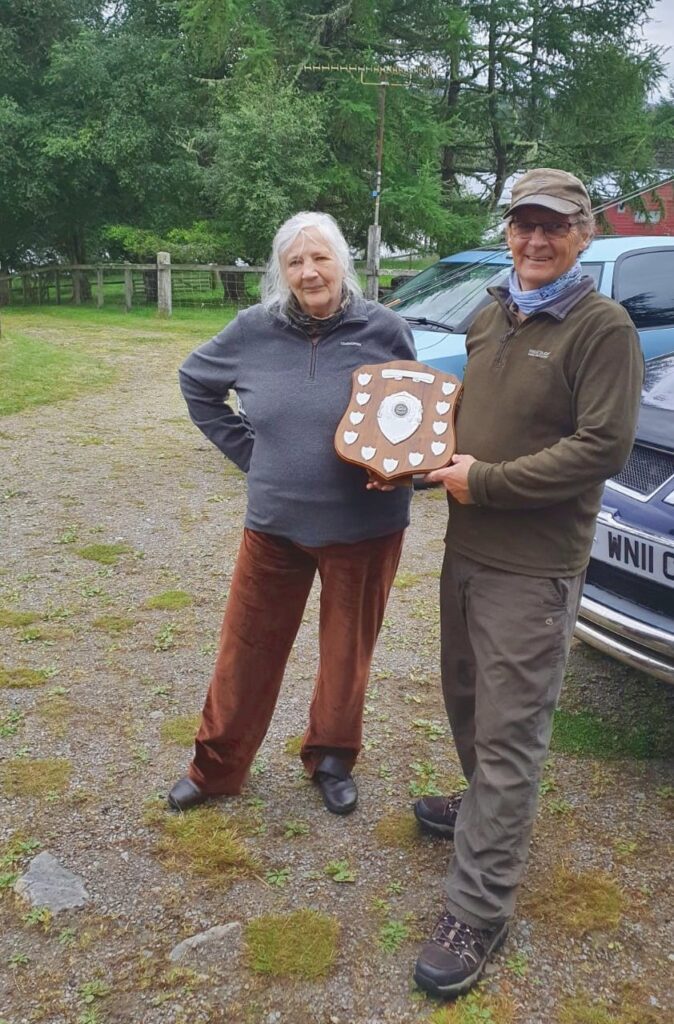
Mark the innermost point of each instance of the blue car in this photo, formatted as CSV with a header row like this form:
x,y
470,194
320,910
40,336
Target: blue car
x,y
627,608
440,302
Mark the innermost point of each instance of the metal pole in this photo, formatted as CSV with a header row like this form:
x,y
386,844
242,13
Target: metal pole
x,y
374,231
380,148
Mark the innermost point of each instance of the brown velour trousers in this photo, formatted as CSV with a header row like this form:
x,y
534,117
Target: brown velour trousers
x,y
270,587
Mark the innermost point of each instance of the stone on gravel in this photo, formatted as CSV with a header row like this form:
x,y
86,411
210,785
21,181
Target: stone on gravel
x,y
47,883
222,939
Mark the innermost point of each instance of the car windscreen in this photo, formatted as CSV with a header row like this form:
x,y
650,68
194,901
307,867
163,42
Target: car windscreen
x,y
656,416
449,292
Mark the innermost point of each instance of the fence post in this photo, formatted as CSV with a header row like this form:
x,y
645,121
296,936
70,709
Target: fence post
x,y
164,283
77,287
128,289
99,287
57,281
372,270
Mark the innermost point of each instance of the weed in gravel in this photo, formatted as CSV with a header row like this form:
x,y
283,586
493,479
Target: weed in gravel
x,y
166,637
69,535
21,776
169,600
22,678
302,944
91,990
293,829
55,709
106,554
340,871
425,781
392,934
277,877
206,843
518,963
114,624
180,729
11,619
432,730
405,580
12,855
398,830
293,745
11,723
476,1008
576,902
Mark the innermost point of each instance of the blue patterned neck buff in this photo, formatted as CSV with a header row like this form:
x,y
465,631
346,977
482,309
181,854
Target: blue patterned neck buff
x,y
539,298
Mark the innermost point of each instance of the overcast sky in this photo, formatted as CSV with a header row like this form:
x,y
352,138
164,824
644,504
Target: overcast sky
x,y
660,30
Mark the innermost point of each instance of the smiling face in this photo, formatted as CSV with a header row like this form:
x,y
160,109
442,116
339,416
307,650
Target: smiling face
x,y
540,258
314,274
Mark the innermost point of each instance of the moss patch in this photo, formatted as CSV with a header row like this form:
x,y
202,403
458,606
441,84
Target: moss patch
x,y
22,776
114,624
398,830
169,600
106,554
302,944
180,729
205,843
20,678
293,745
577,902
12,619
55,709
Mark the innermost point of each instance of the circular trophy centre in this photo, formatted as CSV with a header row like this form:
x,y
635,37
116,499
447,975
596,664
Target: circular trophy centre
x,y
401,409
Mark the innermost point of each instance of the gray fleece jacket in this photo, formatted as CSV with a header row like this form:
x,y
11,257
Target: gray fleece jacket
x,y
293,392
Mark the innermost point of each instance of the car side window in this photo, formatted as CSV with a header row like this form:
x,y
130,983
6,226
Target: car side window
x,y
644,283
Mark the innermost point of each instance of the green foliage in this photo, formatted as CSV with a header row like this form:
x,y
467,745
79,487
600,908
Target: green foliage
x,y
205,843
180,729
577,902
269,150
22,678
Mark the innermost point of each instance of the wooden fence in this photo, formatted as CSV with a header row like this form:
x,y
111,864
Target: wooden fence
x,y
163,285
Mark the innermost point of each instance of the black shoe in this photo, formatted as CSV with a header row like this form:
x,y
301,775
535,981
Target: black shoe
x,y
340,795
185,794
437,814
455,956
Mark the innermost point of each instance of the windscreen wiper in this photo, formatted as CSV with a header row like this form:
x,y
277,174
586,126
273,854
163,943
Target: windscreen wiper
x,y
425,322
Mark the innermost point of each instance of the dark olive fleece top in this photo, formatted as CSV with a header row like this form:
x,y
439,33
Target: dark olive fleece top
x,y
549,410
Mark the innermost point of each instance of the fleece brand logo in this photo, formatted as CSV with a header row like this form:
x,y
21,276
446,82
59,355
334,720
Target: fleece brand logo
x,y
355,344
538,353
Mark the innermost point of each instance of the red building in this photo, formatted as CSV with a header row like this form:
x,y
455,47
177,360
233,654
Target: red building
x,y
655,218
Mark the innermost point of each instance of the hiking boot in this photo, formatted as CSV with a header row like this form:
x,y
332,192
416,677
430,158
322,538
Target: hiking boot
x,y
437,814
455,956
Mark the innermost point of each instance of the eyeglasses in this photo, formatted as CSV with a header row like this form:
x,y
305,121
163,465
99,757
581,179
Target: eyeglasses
x,y
550,228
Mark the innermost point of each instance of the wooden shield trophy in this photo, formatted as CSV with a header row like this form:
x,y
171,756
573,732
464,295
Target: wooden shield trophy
x,y
399,420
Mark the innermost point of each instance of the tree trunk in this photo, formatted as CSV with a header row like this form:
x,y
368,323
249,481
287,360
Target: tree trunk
x,y
234,285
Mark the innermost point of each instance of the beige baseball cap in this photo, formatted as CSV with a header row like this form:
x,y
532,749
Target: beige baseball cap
x,y
556,190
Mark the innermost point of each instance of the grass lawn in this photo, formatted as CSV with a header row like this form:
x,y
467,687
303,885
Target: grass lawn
x,y
51,353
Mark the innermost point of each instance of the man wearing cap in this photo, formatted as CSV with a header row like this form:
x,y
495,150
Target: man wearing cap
x,y
551,393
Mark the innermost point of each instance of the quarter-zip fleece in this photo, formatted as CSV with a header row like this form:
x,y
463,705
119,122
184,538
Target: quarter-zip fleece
x,y
293,392
549,410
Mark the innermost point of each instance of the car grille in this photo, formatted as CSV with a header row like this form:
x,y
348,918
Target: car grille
x,y
647,593
646,470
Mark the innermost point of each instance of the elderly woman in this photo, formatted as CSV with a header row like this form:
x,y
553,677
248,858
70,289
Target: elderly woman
x,y
290,361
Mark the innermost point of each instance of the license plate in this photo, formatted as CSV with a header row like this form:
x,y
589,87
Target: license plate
x,y
648,559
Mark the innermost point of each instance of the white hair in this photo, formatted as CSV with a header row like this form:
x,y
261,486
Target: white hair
x,y
275,288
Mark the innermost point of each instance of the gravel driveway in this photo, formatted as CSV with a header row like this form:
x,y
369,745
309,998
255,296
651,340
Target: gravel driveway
x,y
119,530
